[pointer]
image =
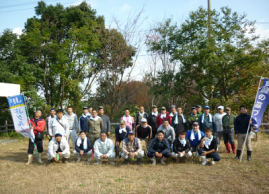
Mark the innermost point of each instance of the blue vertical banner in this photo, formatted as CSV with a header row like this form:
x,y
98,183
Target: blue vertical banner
x,y
18,113
261,102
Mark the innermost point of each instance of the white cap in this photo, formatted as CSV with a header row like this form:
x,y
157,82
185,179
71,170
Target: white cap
x,y
144,120
221,107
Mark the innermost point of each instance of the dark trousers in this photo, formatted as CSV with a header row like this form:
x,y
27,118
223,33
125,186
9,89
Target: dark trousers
x,y
38,144
152,154
154,132
228,136
213,155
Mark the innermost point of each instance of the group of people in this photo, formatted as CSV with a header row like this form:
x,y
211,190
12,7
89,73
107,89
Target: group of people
x,y
165,134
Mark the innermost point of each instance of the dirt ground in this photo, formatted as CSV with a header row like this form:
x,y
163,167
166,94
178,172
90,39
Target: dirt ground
x,y
226,176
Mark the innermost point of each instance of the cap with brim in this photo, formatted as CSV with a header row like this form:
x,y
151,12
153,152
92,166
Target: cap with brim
x,y
198,106
122,122
58,135
220,107
131,133
100,107
85,107
206,107
193,108
228,108
163,108
173,106
154,106
144,120
195,123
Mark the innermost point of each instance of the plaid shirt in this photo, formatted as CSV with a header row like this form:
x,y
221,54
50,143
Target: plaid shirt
x,y
131,147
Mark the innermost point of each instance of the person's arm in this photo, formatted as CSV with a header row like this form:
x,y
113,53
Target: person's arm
x,y
150,133
96,149
236,126
202,142
108,125
76,122
214,126
117,133
41,126
139,148
173,122
80,124
50,149
169,118
76,146
187,146
111,148
88,124
136,119
150,146
175,146
167,147
66,147
67,131
89,145
124,149
136,131
173,134
101,124
200,122
158,117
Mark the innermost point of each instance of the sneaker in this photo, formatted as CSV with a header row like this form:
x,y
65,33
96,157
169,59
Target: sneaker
x,y
79,159
212,161
98,162
153,161
162,160
111,162
204,160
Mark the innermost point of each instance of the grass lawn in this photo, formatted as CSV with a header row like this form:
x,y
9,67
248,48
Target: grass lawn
x,y
226,176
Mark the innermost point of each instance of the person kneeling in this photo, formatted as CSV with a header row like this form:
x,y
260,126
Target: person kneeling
x,y
83,147
58,145
181,146
104,149
159,147
132,147
208,148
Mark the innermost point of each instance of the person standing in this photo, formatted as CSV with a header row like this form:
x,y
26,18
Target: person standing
x,y
83,121
228,130
90,110
59,125
129,120
152,121
173,111
192,118
164,115
144,132
179,122
106,121
168,131
38,126
73,125
49,120
199,110
241,124
142,114
218,120
121,132
207,120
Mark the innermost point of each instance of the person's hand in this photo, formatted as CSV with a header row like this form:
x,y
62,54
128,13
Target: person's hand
x,y
65,135
197,148
55,159
117,143
157,154
60,153
183,153
236,136
204,139
108,133
204,153
178,153
32,127
52,136
16,131
250,121
104,156
81,152
215,134
48,136
132,155
160,155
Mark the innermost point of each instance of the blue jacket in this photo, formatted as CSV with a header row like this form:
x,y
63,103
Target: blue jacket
x,y
162,147
206,124
123,135
195,142
83,123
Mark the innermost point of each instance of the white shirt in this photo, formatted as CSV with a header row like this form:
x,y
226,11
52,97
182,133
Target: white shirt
x,y
218,121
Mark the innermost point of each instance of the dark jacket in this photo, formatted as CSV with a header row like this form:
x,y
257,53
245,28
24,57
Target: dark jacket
x,y
178,147
206,124
213,145
228,122
152,121
142,132
180,126
241,123
123,135
162,147
137,120
80,147
83,123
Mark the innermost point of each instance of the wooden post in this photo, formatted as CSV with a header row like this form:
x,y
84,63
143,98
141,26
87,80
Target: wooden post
x,y
6,129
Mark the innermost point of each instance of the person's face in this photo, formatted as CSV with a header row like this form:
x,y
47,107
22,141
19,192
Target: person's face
x,y
94,113
38,113
173,109
228,112
194,111
199,109
59,115
206,110
243,110
127,112
103,136
131,137
122,126
101,111
165,124
141,109
52,113
163,111
85,111
208,134
90,110
82,135
221,111
179,110
195,128
181,137
160,136
144,124
154,109
69,110
58,138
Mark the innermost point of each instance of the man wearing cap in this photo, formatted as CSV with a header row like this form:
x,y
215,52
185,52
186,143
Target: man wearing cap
x,y
104,149
83,147
193,117
169,132
179,122
159,148
199,110
121,132
218,120
228,130
59,125
83,121
140,115
162,116
129,120
207,120
58,145
195,136
131,148
106,121
73,125
152,121
48,122
173,111
144,132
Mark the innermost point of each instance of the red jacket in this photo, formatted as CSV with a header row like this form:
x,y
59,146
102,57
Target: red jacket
x,y
40,125
160,120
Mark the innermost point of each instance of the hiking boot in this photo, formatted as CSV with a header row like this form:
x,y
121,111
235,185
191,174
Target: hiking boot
x,y
212,161
238,153
228,148
204,159
39,158
64,160
98,162
233,148
249,155
111,162
153,161
162,160
79,159
139,161
30,159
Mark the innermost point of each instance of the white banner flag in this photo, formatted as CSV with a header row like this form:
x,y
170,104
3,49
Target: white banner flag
x,y
18,113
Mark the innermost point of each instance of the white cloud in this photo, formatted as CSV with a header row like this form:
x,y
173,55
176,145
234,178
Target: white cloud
x,y
17,31
93,3
125,7
262,32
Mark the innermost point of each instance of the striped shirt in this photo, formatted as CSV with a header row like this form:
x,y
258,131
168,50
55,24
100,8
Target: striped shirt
x,y
131,147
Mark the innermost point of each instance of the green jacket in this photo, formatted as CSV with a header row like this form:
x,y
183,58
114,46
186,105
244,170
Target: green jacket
x,y
95,126
199,114
191,119
228,123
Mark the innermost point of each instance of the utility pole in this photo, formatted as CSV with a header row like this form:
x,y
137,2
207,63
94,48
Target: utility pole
x,y
209,17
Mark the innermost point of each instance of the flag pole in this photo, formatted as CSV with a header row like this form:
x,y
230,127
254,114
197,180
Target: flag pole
x,y
250,119
30,125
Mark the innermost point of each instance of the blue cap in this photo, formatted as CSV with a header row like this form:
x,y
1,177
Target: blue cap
x,y
131,132
207,107
52,109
